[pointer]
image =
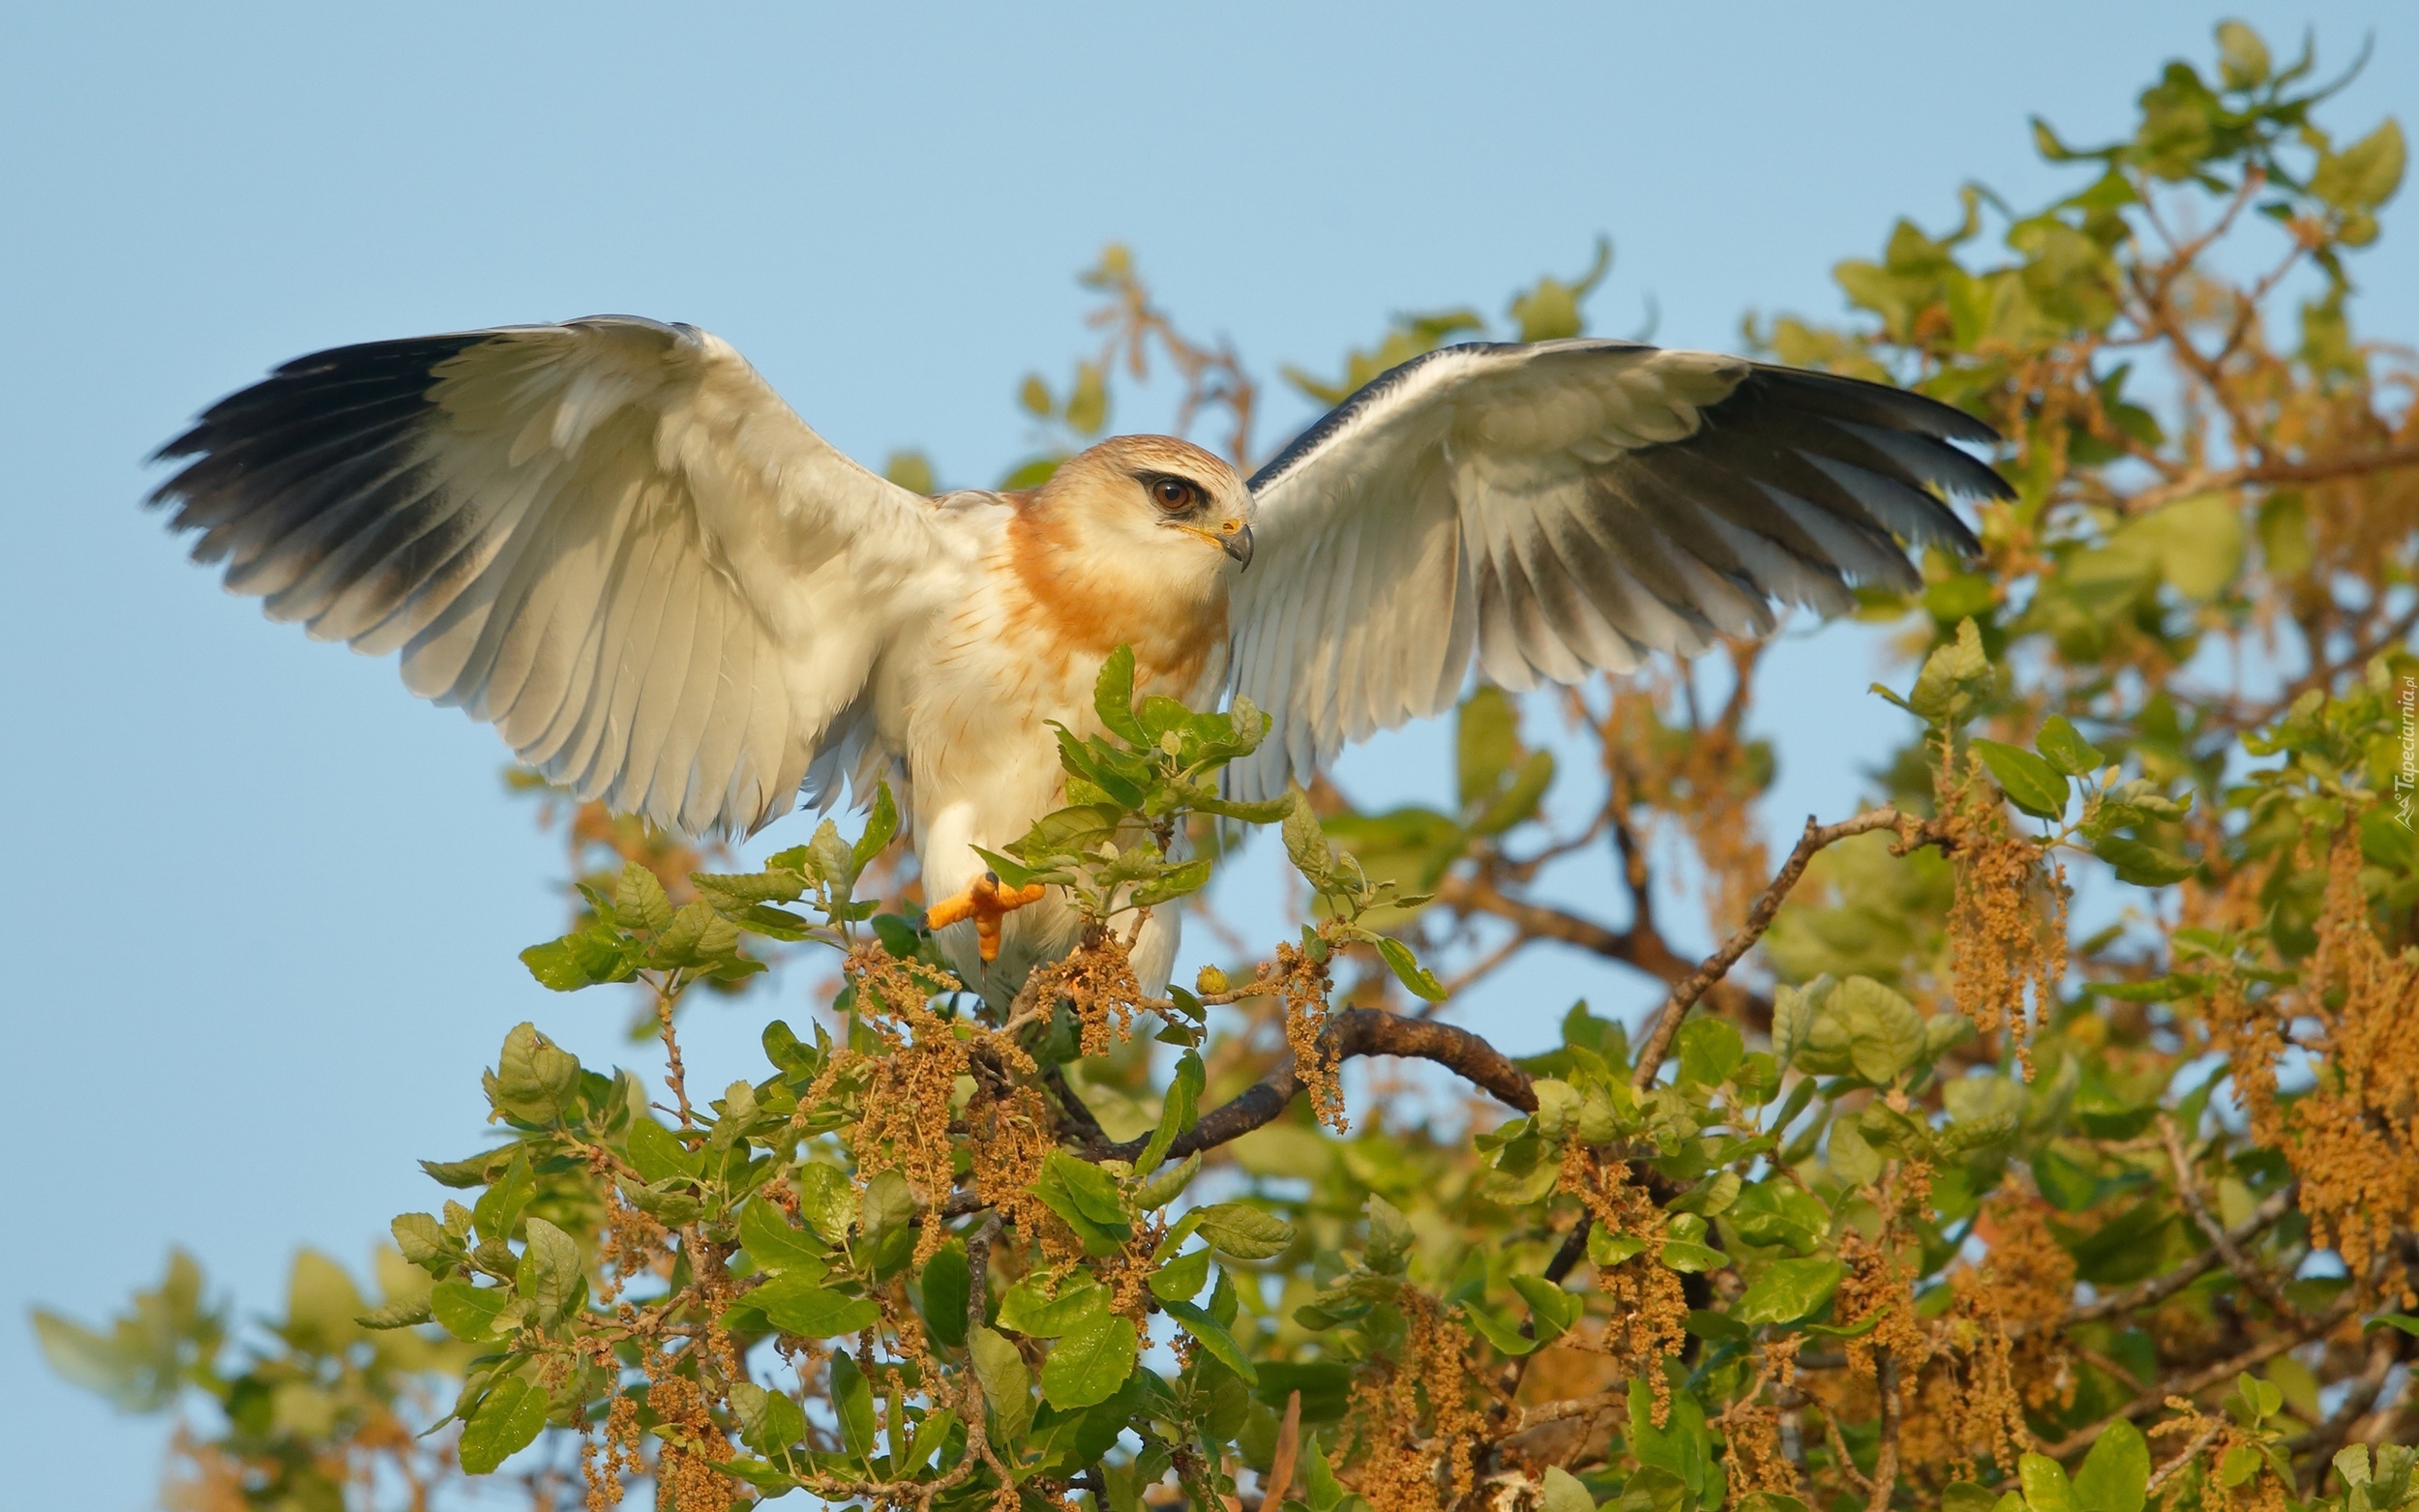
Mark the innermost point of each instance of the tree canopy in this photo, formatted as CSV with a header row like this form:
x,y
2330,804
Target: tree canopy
x,y
2041,1137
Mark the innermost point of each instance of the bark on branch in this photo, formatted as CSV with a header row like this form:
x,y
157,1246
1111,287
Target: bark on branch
x,y
1351,1033
1716,966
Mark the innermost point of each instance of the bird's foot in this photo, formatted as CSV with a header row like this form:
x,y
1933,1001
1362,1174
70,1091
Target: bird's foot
x,y
986,902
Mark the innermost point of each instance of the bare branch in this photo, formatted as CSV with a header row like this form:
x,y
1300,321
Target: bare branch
x,y
1886,1454
2158,1289
2187,1187
1716,966
2282,1341
1353,1032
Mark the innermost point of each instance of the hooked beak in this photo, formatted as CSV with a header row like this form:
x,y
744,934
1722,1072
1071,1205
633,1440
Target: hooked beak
x,y
1236,537
1232,536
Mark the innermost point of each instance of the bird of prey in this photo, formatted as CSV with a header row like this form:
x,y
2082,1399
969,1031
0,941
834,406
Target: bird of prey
x,y
612,541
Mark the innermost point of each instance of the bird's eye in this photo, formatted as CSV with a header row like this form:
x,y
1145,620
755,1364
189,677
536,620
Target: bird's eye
x,y
1173,494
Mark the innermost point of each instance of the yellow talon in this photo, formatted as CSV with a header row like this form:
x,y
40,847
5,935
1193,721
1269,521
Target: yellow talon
x,y
986,902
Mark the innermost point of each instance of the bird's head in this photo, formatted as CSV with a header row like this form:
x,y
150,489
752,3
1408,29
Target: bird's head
x,y
1154,500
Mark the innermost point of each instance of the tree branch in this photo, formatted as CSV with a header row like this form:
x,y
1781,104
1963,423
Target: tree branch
x,y
2250,1275
1716,966
2322,469
2158,1289
1885,1453
1351,1033
2282,1341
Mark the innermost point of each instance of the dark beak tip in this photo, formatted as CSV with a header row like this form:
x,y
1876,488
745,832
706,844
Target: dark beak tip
x,y
1239,546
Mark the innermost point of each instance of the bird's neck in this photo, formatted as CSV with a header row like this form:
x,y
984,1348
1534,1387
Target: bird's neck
x,y
1087,603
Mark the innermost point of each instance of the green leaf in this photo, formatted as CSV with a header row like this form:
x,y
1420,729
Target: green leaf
x,y
1506,1339
1563,1493
1518,801
467,1312
1008,1385
580,959
1091,1192
639,901
1554,1309
827,1200
1089,1365
506,1421
402,1313
2045,1486
1689,1256
776,1244
419,1237
1306,843
1030,1308
2030,783
1212,1336
2365,174
2143,866
1680,1448
768,1421
879,826
930,1434
1486,741
2242,57
1244,1232
1408,970
852,1405
2241,1463
657,1152
549,1270
1168,1185
886,1207
534,1079
1181,1279
665,1203
1955,679
804,1310
1113,698
2406,1321
1180,881
947,1285
1777,1210
2115,1476
1606,1250
1710,1050
2069,753
1885,1032
1788,1290
1391,1236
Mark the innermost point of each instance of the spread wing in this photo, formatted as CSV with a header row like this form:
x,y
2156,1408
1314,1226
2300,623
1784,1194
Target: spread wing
x,y
610,538
1563,507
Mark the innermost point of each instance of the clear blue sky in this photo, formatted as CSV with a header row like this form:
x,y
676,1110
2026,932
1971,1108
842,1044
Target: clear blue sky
x,y
266,905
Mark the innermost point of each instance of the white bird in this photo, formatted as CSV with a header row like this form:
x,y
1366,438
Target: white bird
x,y
612,541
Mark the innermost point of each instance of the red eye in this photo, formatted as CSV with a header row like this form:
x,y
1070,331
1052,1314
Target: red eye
x,y
1173,494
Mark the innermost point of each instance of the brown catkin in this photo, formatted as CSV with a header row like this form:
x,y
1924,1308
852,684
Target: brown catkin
x,y
2354,1138
1417,1431
1650,1310
2007,924
1305,989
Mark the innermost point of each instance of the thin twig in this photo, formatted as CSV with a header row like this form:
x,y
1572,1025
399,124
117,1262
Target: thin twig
x,y
1351,1033
2158,1289
1886,1454
2191,1451
1716,966
2189,1189
674,1075
2282,1342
